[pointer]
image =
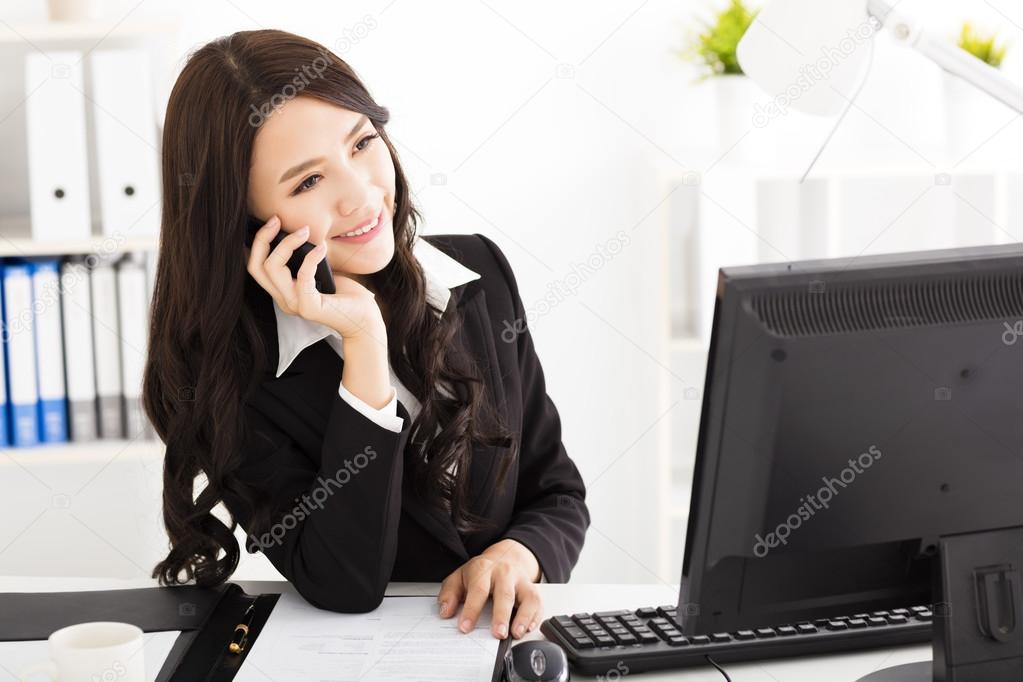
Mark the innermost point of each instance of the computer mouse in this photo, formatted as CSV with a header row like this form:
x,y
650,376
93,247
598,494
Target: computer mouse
x,y
536,660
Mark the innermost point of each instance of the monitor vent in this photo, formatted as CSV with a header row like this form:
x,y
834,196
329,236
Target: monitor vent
x,y
823,308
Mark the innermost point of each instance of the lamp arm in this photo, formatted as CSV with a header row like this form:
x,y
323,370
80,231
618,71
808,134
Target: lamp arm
x,y
951,58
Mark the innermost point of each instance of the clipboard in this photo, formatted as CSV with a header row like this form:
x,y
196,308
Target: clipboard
x,y
204,656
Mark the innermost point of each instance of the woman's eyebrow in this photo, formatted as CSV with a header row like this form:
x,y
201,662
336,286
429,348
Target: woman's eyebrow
x,y
295,170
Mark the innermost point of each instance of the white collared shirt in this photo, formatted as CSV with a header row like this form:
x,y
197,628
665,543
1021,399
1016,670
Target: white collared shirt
x,y
295,333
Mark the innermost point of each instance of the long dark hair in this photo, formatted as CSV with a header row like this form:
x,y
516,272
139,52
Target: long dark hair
x,y
206,353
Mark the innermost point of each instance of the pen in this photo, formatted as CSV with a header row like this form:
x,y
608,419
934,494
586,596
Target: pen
x,y
241,632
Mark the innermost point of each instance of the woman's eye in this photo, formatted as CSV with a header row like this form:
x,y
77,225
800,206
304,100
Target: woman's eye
x,y
304,186
367,140
360,146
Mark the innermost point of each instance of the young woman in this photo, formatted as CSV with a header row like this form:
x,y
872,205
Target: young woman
x,y
396,430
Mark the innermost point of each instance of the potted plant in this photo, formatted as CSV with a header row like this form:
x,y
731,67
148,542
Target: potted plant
x,y
712,47
973,116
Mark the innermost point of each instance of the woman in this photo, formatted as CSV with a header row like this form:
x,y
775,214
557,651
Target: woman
x,y
398,429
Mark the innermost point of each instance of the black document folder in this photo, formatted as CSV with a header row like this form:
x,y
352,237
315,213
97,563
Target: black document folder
x,y
206,617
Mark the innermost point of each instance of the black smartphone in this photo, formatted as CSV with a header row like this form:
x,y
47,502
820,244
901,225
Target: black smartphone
x,y
323,276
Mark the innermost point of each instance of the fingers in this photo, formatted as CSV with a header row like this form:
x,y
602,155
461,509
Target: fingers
x,y
504,600
258,252
277,270
478,587
305,283
451,593
530,611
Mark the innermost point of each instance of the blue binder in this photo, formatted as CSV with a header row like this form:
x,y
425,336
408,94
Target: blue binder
x,y
19,343
5,438
52,404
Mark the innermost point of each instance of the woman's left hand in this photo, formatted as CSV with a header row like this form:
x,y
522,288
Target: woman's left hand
x,y
509,570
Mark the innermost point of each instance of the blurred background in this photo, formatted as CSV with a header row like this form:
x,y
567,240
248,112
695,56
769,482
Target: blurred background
x,y
610,149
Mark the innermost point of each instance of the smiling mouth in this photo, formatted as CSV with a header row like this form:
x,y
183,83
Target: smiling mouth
x,y
363,230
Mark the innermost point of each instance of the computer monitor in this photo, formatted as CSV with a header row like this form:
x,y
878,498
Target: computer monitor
x,y
854,411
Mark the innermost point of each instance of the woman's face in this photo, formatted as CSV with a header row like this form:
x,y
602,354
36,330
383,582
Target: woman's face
x,y
316,164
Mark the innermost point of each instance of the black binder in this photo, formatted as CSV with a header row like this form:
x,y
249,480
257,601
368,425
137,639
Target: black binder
x,y
206,617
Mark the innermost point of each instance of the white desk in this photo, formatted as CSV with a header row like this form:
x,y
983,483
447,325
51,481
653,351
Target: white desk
x,y
573,598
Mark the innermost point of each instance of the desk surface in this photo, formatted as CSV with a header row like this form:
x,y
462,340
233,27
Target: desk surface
x,y
573,598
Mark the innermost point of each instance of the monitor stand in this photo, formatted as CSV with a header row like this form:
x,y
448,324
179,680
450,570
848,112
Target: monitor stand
x,y
977,631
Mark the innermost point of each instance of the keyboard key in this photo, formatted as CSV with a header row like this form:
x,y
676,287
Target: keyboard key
x,y
900,612
924,615
719,637
875,621
611,614
577,616
764,633
678,640
668,612
857,623
574,632
897,619
583,643
699,639
646,612
745,635
605,640
786,630
806,628
564,621
627,638
836,625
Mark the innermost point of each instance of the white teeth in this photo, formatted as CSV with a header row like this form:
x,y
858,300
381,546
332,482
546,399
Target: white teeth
x,y
356,233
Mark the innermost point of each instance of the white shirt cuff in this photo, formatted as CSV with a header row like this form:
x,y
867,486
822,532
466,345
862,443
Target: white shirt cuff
x,y
386,416
543,578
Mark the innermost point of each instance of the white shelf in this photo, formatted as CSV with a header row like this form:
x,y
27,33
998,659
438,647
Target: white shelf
x,y
72,453
23,246
75,31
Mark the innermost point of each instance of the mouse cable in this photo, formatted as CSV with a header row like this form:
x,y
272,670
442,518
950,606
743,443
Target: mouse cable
x,y
720,669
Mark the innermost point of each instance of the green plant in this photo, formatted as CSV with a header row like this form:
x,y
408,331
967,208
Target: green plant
x,y
714,46
981,46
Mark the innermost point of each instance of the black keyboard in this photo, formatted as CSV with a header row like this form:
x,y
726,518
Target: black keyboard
x,y
649,638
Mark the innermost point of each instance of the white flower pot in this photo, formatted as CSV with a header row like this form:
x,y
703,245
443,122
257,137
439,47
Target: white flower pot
x,y
971,118
744,133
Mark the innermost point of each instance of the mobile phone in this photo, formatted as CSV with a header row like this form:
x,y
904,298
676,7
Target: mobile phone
x,y
323,276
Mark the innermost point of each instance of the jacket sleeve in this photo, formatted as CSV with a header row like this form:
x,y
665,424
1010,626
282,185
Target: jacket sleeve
x,y
550,515
333,531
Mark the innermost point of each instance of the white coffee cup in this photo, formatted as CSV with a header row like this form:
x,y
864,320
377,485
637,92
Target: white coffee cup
x,y
101,651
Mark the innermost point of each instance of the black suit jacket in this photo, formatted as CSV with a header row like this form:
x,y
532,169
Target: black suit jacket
x,y
340,549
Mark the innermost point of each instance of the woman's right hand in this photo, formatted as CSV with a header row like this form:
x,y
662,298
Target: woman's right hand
x,y
352,311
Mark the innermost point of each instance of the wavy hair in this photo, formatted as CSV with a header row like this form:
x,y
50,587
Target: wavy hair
x,y
206,355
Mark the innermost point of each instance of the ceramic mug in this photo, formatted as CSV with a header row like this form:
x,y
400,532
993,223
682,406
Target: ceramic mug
x,y
100,651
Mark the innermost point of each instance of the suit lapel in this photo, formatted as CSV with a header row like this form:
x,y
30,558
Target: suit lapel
x,y
475,333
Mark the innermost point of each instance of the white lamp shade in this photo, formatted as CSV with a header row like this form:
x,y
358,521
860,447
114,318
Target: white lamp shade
x,y
809,55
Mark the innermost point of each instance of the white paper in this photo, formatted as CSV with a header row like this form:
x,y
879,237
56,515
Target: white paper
x,y
15,656
404,639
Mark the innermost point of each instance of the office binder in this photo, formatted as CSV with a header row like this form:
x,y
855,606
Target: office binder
x,y
107,343
5,439
124,120
133,313
21,355
58,169
52,410
76,305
